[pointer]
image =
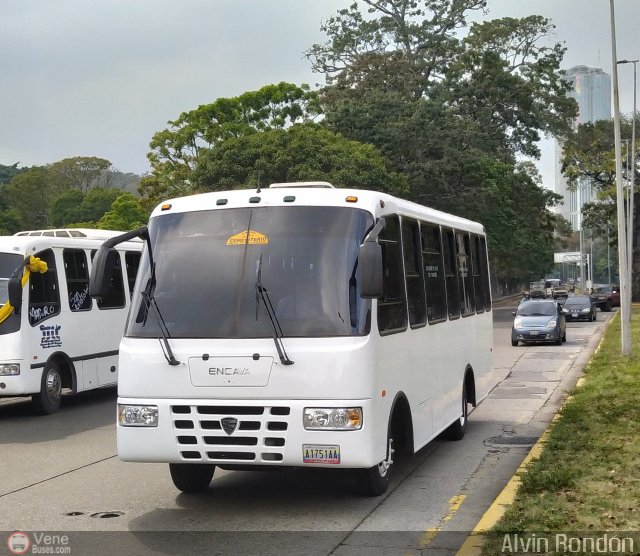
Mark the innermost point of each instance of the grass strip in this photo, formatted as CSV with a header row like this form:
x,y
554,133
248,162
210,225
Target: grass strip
x,y
587,478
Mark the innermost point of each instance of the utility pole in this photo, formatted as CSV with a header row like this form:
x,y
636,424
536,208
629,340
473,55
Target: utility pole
x,y
625,305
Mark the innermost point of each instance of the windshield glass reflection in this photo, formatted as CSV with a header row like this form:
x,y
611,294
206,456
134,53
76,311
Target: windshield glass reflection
x,y
207,266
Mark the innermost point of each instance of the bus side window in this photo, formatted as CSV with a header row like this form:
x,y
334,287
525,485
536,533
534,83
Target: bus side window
x,y
467,294
433,273
392,307
44,298
77,276
481,302
414,282
132,262
450,273
484,273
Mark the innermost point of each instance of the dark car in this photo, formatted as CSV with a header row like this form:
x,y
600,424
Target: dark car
x,y
539,320
606,297
579,307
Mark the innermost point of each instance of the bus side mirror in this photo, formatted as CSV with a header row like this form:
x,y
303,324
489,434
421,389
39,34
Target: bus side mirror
x,y
370,270
102,269
15,293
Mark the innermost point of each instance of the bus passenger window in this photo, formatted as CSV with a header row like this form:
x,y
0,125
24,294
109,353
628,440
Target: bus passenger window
x,y
77,276
44,299
413,272
451,274
392,307
433,273
467,295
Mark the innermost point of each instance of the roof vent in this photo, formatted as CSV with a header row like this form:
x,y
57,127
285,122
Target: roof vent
x,y
320,184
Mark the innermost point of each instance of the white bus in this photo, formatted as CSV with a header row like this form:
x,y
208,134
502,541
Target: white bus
x,y
53,337
300,326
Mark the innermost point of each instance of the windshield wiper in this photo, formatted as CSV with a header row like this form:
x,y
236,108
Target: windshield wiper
x,y
150,300
263,294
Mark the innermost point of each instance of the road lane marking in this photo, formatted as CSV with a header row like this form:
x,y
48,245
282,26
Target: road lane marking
x,y
432,532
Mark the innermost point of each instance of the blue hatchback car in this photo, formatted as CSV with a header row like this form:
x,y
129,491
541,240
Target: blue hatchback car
x,y
539,320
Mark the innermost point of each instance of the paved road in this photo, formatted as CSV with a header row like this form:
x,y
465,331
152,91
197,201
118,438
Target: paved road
x,y
60,473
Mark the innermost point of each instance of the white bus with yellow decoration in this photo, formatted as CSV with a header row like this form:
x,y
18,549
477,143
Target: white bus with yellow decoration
x,y
300,325
53,337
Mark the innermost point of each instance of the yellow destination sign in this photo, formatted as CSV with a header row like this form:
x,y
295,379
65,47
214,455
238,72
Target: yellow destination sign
x,y
250,237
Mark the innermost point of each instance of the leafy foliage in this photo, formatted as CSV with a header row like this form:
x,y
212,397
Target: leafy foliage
x,y
298,153
453,111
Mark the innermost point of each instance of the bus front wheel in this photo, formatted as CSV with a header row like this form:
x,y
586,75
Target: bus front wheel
x,y
48,400
191,477
375,480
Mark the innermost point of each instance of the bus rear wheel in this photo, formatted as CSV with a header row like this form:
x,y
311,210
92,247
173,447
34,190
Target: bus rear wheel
x,y
191,477
48,400
457,429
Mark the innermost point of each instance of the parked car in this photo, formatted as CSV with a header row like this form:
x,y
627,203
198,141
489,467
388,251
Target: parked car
x,y
606,297
579,307
539,320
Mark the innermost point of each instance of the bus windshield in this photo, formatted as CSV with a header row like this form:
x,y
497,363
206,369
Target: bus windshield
x,y
207,265
8,264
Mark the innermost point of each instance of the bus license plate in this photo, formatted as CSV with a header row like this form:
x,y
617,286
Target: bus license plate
x,y
320,453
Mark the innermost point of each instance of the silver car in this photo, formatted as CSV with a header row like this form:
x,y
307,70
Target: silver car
x,y
539,320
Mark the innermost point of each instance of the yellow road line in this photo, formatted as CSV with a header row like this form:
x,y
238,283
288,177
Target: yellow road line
x,y
432,532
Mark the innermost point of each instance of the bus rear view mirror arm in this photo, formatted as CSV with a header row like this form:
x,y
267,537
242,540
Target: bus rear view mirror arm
x,y
106,259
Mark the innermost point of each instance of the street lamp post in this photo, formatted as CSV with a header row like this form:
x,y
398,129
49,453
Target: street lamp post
x,y
625,306
632,182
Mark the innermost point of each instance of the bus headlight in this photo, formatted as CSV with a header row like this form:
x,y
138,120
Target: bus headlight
x,y
138,415
332,418
9,369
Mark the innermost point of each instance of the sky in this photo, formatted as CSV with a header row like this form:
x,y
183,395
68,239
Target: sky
x,y
99,78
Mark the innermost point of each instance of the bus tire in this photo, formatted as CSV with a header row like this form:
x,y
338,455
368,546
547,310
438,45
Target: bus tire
x,y
191,477
375,480
456,430
48,400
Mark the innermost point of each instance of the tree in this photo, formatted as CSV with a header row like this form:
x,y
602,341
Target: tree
x,y
82,172
66,208
8,172
175,150
451,110
589,155
126,214
27,196
302,152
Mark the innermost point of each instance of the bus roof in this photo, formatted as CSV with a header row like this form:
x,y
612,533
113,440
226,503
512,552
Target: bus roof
x,y
26,244
307,195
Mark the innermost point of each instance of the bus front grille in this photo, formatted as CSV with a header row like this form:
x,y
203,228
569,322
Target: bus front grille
x,y
223,433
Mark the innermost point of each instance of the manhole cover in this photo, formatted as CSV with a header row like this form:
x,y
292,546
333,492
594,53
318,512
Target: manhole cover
x,y
107,515
74,513
510,441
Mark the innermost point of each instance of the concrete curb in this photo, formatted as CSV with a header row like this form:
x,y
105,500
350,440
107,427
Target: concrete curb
x,y
474,543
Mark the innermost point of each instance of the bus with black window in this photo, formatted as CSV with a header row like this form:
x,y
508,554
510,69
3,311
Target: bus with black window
x,y
300,325
54,338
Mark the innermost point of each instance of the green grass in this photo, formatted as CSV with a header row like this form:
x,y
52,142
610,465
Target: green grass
x,y
587,477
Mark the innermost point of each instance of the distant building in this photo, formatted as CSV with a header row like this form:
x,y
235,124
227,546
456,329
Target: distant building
x,y
592,91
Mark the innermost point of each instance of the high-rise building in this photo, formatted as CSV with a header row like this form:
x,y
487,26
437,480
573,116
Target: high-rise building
x,y
592,91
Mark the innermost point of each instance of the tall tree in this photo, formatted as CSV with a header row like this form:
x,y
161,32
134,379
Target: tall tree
x,y
82,172
302,152
175,150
